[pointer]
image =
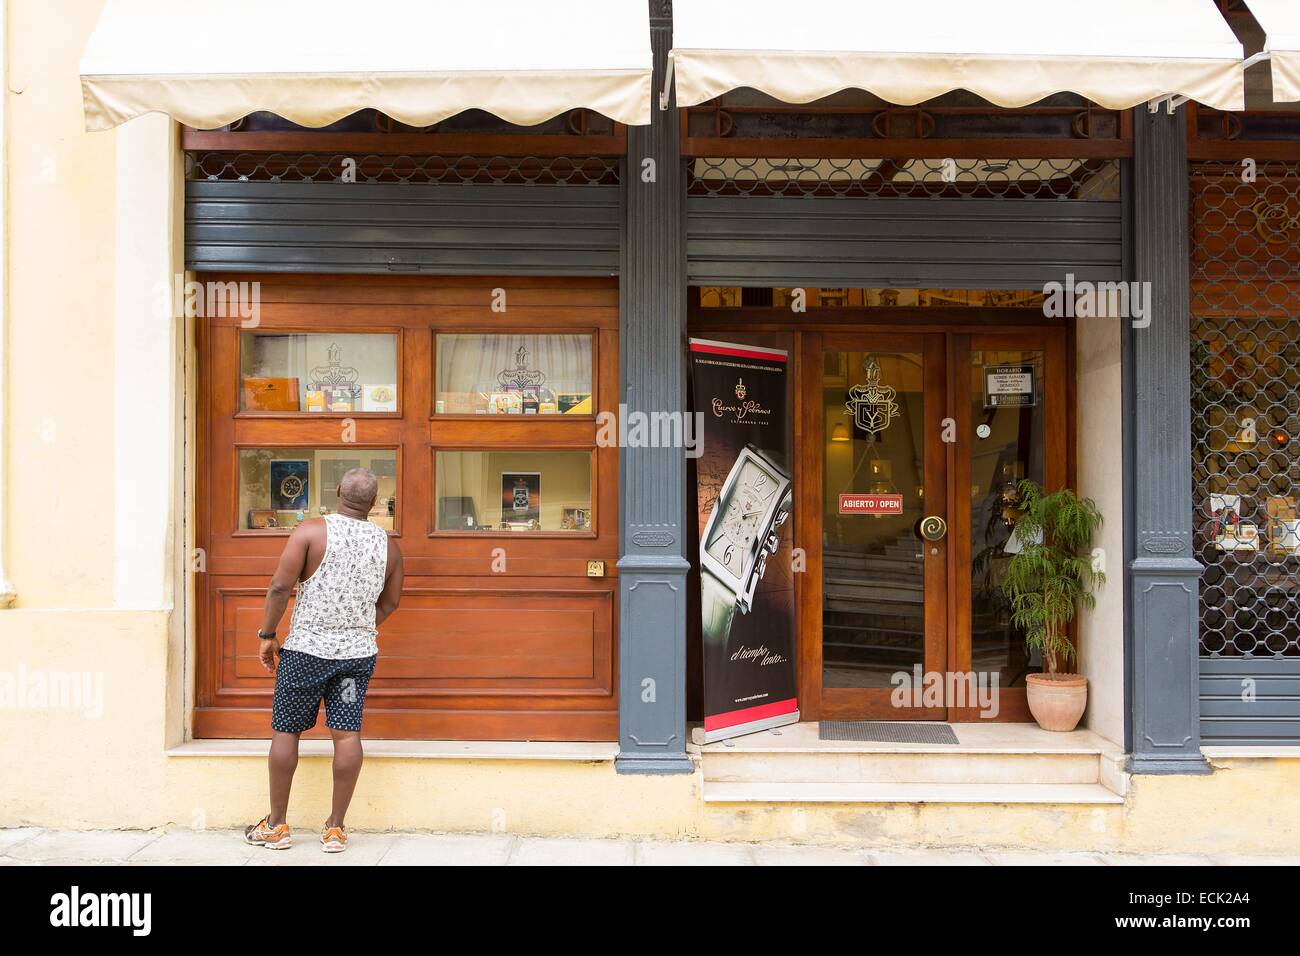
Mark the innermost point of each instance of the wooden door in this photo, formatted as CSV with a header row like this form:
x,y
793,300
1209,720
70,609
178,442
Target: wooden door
x,y
502,633
876,601
881,606
996,447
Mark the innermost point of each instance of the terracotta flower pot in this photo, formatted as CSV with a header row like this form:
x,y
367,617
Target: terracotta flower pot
x,y
1057,702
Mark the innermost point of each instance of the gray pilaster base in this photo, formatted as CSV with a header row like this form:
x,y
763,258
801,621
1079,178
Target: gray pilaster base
x,y
1169,766
652,664
645,763
1166,666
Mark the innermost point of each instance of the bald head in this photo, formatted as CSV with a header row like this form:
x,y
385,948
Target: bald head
x,y
358,488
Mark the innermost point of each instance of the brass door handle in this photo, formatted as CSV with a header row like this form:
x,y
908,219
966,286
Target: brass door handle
x,y
933,528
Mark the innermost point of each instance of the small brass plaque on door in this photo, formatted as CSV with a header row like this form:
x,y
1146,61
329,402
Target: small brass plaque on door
x,y
595,569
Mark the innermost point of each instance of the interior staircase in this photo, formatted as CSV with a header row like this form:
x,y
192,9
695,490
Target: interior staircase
x,y
873,611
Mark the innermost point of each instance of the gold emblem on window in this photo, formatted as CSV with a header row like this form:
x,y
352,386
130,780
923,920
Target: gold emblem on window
x,y
872,405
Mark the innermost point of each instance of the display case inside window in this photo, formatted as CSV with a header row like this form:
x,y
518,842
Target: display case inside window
x,y
513,374
318,373
281,487
513,491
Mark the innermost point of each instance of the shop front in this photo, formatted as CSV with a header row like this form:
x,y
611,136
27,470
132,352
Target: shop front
x,y
455,293
437,301
973,273
1244,416
478,401
481,429
895,408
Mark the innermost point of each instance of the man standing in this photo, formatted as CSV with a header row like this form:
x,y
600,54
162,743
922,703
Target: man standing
x,y
349,578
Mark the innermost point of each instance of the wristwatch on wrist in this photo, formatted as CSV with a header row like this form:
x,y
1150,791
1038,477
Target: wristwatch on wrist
x,y
742,532
266,637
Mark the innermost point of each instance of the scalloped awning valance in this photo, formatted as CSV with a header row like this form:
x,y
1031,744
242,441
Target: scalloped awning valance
x,y
419,62
1117,53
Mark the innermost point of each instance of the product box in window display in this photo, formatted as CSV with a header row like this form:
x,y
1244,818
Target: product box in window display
x,y
521,500
271,394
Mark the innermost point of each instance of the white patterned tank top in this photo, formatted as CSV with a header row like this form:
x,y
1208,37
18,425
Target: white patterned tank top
x,y
334,612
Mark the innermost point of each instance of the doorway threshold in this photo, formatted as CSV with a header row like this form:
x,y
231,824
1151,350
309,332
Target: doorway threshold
x,y
989,763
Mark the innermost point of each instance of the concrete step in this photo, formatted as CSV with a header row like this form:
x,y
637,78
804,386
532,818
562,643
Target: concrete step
x,y
899,767
993,763
859,792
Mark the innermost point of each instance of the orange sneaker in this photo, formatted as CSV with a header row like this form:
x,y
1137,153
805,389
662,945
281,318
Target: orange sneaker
x,y
273,838
334,839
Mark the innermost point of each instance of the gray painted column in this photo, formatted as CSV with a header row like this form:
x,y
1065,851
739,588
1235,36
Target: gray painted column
x,y
1164,574
652,568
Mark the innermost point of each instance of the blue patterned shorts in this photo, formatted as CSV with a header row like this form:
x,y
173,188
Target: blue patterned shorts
x,y
302,681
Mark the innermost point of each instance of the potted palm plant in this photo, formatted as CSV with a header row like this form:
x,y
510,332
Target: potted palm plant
x,y
1047,580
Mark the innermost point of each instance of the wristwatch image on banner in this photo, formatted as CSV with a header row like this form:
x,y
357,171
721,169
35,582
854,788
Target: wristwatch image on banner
x,y
742,532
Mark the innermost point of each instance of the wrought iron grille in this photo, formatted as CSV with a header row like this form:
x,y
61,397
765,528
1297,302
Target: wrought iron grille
x,y
1214,126
1046,179
343,168
1245,225
854,114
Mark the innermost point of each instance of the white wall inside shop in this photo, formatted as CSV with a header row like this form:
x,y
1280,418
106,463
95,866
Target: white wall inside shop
x,y
1100,476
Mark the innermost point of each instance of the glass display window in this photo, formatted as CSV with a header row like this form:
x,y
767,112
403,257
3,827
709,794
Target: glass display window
x,y
513,374
318,373
508,491
281,487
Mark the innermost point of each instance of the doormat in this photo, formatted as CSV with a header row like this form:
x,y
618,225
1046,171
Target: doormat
x,y
885,732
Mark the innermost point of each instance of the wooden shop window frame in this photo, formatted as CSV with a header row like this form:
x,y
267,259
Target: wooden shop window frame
x,y
239,447
592,333
593,457
399,356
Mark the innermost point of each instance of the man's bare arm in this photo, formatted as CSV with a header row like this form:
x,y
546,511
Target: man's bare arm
x,y
392,592
287,573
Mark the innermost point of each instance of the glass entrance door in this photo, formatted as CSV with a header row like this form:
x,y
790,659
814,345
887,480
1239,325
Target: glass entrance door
x,y
883,560
1010,401
921,442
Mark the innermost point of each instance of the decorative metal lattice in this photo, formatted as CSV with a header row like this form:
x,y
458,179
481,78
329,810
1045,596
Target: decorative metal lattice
x,y
372,168
1050,179
1245,226
857,115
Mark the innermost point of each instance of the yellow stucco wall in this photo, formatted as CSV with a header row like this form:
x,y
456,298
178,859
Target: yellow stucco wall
x,y
108,768
60,300
67,767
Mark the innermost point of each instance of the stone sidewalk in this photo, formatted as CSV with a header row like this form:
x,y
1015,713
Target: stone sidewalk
x,y
31,846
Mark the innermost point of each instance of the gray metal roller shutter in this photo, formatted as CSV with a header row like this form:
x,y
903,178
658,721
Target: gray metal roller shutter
x,y
1229,717
396,227
901,243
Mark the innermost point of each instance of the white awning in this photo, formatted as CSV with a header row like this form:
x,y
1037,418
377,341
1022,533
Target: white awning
x,y
419,61
1281,22
1117,53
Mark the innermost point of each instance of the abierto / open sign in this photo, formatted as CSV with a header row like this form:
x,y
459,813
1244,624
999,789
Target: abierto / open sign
x,y
871,504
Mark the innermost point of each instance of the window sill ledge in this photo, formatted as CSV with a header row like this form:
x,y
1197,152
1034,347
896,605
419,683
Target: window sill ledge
x,y
1252,753
580,752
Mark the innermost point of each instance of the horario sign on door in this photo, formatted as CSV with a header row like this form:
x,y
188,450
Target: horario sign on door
x,y
745,496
